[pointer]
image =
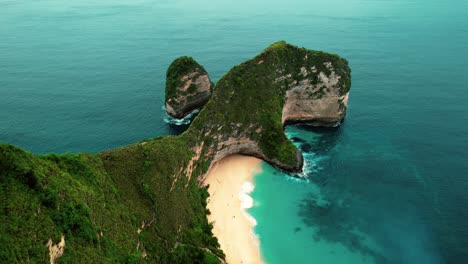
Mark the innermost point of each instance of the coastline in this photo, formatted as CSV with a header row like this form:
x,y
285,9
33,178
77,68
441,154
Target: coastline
x,y
230,182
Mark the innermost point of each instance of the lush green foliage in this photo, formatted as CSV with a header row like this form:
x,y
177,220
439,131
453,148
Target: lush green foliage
x,y
98,202
178,68
185,92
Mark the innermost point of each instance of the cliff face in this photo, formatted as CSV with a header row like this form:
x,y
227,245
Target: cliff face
x,y
242,143
188,87
323,103
254,100
142,202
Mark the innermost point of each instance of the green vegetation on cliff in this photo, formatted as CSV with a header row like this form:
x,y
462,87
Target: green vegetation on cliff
x,y
142,202
249,99
188,86
179,68
100,202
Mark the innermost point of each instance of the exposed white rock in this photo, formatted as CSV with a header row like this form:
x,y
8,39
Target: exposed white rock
x,y
320,104
56,251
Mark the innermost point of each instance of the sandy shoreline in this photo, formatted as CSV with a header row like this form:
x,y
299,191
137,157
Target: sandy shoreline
x,y
229,180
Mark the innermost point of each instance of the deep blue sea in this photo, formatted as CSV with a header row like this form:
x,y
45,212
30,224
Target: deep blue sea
x,y
388,186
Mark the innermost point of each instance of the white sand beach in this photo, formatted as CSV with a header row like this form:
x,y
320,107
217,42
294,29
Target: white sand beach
x,y
230,181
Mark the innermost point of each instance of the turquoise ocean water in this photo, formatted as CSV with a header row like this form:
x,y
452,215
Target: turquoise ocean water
x,y
388,186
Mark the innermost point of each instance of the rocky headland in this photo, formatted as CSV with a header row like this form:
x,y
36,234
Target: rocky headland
x,y
254,100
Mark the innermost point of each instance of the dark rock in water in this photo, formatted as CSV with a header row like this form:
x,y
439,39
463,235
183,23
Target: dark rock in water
x,y
306,147
297,229
188,87
297,140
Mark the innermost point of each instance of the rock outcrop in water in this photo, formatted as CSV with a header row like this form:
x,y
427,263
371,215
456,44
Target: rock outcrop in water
x,y
188,87
142,203
254,100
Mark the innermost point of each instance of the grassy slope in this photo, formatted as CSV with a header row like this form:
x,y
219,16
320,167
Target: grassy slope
x,y
99,201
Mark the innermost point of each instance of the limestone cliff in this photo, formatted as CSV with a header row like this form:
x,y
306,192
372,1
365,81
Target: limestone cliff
x,y
322,103
254,100
188,87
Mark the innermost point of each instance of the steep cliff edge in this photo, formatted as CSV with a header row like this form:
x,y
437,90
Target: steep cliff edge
x,y
142,202
254,100
321,101
188,87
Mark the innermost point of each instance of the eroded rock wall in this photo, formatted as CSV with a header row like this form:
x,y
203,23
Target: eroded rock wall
x,y
188,87
322,103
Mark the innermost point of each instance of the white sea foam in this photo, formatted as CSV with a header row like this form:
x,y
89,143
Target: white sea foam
x,y
244,195
178,122
311,161
247,200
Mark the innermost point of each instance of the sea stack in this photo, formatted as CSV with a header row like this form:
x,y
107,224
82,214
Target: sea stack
x,y
188,87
